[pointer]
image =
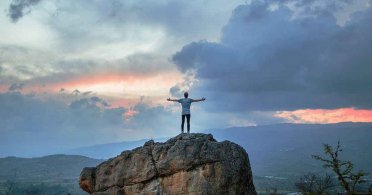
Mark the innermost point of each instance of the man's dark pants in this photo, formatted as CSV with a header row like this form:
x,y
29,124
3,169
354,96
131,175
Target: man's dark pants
x,y
188,116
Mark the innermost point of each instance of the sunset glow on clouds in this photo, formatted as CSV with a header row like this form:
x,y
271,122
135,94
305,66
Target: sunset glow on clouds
x,y
128,86
326,116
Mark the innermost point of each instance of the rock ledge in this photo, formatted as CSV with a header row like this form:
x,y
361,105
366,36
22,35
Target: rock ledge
x,y
186,164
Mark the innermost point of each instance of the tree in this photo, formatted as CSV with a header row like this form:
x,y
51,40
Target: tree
x,y
343,169
315,184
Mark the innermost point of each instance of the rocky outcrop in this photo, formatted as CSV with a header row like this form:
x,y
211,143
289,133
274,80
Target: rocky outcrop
x,y
185,164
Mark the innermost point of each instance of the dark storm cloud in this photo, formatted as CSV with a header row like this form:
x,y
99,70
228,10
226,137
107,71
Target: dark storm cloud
x,y
267,60
19,8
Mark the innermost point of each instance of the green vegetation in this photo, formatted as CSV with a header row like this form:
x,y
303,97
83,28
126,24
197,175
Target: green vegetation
x,y
15,188
53,168
54,174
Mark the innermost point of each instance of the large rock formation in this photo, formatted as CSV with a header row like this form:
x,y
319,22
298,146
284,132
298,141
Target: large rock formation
x,y
185,164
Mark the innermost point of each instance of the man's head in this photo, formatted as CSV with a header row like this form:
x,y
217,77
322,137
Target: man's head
x,y
186,94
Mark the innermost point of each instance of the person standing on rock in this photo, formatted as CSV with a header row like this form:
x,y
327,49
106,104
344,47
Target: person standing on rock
x,y
186,102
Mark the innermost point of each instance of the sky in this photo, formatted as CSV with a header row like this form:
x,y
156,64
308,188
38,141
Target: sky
x,y
77,73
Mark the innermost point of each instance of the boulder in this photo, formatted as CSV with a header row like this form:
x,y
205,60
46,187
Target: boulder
x,y
186,164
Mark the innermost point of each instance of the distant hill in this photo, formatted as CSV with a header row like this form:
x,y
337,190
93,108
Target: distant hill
x,y
109,150
53,168
285,149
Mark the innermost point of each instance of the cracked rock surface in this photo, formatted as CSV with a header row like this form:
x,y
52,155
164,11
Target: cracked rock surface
x,y
186,164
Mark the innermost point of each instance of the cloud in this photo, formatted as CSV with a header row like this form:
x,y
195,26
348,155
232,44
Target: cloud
x,y
81,37
156,119
35,66
92,102
326,116
110,29
20,63
87,92
270,59
181,87
16,86
19,8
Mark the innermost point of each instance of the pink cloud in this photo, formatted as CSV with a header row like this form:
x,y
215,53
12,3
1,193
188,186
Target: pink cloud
x,y
131,82
326,115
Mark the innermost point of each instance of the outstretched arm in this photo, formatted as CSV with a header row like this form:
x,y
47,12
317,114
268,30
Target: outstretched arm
x,y
173,100
199,100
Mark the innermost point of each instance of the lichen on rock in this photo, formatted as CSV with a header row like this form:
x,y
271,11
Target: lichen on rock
x,y
186,164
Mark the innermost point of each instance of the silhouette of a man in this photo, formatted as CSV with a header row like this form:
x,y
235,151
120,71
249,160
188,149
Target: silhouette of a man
x,y
186,102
